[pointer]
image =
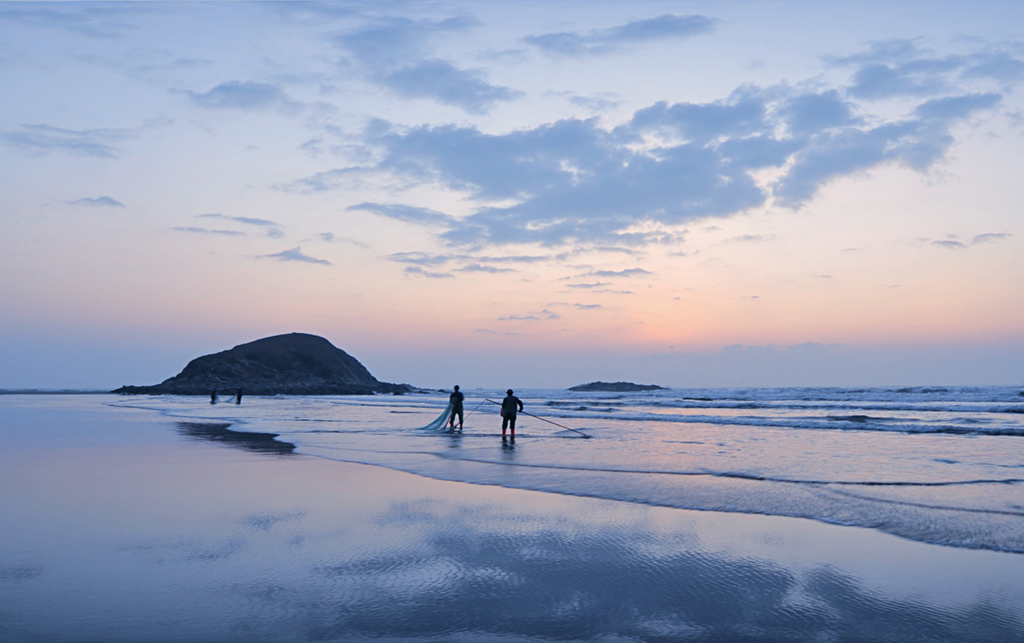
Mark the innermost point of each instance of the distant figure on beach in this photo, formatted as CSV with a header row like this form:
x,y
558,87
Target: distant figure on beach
x,y
238,397
455,399
213,397
510,406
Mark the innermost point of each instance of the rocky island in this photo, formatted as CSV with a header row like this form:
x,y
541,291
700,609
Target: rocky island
x,y
292,364
617,387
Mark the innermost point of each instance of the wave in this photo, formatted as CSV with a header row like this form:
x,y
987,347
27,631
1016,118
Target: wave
x,y
824,423
800,405
833,502
859,469
739,475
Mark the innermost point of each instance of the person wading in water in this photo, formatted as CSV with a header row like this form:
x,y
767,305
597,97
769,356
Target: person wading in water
x,y
510,406
455,399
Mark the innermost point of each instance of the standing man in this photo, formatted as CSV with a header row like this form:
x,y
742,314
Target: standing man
x,y
455,400
510,406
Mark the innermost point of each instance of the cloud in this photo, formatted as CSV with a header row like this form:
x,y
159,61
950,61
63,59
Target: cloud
x,y
544,315
750,238
952,244
918,142
236,94
588,306
572,180
900,68
416,270
476,267
521,258
955,107
743,114
584,181
230,233
630,272
393,41
98,202
880,51
407,213
598,284
42,138
810,113
997,66
270,229
295,254
884,81
245,220
614,249
329,180
604,41
395,53
420,258
330,237
990,237
595,102
442,81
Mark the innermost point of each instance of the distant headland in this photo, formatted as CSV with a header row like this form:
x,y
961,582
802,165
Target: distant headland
x,y
292,364
617,387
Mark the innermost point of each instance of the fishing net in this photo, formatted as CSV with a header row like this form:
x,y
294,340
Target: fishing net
x,y
439,423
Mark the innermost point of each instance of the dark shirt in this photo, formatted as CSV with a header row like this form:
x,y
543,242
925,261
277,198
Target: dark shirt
x,y
509,404
455,399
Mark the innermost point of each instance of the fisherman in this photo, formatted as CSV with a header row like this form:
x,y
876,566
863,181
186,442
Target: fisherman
x,y
238,397
509,407
455,400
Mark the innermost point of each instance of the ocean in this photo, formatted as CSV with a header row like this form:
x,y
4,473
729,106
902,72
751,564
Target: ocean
x,y
938,465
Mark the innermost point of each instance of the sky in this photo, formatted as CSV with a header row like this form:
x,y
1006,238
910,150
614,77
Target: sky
x,y
530,194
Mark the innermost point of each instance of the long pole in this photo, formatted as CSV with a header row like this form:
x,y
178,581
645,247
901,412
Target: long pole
x,y
548,421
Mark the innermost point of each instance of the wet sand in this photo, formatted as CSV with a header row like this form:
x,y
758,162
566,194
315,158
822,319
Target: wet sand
x,y
118,525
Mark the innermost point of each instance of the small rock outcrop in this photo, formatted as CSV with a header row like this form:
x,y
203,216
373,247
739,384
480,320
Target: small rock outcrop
x,y
292,364
617,387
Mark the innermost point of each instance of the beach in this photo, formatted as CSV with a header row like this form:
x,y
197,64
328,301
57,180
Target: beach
x,y
124,524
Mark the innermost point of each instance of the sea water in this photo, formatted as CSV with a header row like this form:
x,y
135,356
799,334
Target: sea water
x,y
936,465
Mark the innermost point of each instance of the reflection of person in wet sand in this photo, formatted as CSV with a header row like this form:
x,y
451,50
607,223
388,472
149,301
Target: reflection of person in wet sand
x,y
455,399
510,406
